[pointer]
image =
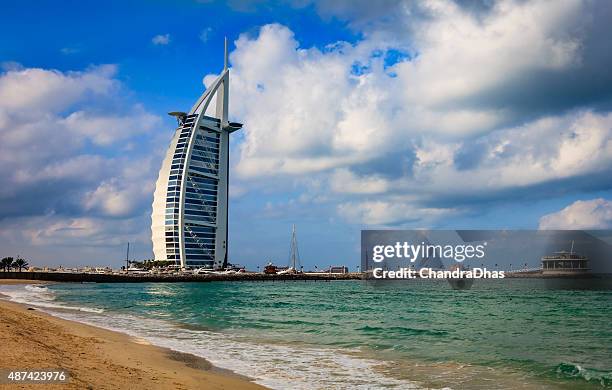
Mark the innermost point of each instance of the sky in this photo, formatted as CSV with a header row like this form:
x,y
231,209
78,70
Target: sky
x,y
357,114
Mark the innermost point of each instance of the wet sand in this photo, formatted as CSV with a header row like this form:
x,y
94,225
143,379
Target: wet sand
x,y
97,358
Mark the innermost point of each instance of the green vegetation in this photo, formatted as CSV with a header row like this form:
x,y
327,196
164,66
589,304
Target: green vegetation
x,y
9,263
6,263
20,263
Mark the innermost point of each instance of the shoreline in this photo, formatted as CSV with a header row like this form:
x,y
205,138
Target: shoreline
x,y
74,277
81,277
100,358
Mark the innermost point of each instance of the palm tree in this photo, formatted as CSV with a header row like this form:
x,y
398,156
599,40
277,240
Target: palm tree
x,y
6,263
21,263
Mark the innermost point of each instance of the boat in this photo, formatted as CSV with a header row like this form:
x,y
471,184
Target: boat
x,y
287,271
203,271
564,263
270,269
139,271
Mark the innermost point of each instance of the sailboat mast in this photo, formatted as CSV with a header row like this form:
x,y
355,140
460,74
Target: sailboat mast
x,y
127,257
294,260
293,245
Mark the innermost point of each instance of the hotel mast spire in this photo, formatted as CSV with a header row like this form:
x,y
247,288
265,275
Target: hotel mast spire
x,y
225,55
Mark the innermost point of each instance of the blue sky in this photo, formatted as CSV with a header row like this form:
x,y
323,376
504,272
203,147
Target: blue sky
x,y
435,114
79,34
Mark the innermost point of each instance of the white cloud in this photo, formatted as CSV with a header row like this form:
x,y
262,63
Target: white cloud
x,y
112,200
303,109
51,231
389,212
306,110
31,90
205,34
54,239
438,124
550,148
106,130
460,56
61,138
345,181
161,39
582,214
81,167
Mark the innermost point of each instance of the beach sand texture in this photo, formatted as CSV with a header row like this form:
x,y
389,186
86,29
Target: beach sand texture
x,y
100,359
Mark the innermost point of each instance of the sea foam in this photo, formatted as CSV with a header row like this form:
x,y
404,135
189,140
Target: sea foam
x,y
41,297
276,366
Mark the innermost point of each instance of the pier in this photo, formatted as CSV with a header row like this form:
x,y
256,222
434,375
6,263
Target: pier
x,y
81,277
86,277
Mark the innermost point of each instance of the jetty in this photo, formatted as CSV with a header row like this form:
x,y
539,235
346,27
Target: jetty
x,y
83,277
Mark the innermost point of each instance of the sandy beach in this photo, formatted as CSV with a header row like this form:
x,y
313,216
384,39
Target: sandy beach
x,y
97,358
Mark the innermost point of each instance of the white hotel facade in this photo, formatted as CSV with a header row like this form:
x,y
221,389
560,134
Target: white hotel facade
x,y
189,218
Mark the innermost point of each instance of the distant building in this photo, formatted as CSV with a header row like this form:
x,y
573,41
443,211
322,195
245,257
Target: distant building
x,y
341,269
189,219
565,263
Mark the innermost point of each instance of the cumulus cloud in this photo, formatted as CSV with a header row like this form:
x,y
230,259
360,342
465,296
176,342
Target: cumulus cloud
x,y
582,214
512,40
161,39
548,149
52,231
389,212
116,199
521,56
106,130
344,181
448,103
27,90
305,112
62,137
318,106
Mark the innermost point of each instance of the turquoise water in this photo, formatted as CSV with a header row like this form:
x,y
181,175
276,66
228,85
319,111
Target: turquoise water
x,y
350,334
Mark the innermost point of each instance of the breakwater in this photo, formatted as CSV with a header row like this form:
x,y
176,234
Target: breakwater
x,y
171,278
85,277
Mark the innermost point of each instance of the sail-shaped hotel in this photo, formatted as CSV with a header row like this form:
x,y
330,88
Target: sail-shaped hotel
x,y
189,219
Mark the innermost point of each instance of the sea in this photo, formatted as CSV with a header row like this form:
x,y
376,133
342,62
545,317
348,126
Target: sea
x,y
414,334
